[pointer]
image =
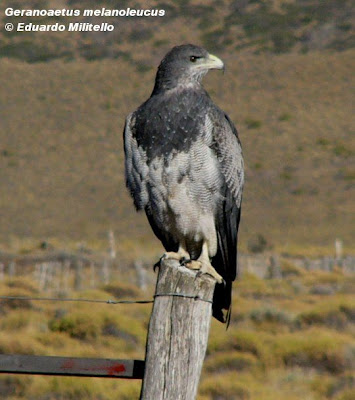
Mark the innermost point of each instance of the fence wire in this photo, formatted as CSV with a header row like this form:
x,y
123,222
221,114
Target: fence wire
x,y
109,301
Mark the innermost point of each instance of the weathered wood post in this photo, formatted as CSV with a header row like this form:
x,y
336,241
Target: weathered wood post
x,y
141,275
78,277
274,267
2,272
177,334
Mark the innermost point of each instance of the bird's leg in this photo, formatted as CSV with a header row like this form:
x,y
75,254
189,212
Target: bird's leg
x,y
203,264
181,255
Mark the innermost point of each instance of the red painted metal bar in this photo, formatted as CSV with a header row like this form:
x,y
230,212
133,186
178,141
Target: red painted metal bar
x,y
71,366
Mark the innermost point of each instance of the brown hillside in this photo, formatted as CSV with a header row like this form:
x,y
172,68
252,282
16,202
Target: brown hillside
x,y
257,26
61,146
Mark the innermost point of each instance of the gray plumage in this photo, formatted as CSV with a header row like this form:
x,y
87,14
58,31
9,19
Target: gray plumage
x,y
184,167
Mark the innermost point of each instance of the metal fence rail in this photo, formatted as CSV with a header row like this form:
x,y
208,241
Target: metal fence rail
x,y
71,366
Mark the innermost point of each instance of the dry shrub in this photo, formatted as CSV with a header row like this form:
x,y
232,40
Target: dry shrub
x,y
336,313
17,319
17,287
252,286
230,361
125,327
268,314
15,303
122,290
318,349
23,283
18,343
12,384
224,387
288,269
348,394
334,319
250,342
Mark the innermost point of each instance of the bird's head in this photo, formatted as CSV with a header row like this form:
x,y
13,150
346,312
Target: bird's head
x,y
185,65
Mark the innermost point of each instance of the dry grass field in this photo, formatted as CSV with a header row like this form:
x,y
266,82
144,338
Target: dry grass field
x,y
289,338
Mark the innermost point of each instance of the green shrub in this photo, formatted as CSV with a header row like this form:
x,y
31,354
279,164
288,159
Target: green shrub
x,y
285,117
212,39
342,150
252,123
283,41
77,325
287,173
323,142
347,174
257,166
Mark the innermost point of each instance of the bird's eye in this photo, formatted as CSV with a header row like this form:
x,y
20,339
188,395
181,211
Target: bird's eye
x,y
193,58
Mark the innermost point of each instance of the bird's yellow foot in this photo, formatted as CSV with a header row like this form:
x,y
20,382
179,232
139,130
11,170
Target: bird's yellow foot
x,y
181,255
204,268
172,255
169,255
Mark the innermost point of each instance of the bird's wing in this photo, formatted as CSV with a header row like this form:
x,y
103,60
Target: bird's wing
x,y
227,148
137,180
136,168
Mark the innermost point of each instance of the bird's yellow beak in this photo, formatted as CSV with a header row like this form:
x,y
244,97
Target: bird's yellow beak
x,y
213,62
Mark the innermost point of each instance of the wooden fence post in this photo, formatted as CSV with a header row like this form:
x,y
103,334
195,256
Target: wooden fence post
x,y
274,267
12,269
177,334
2,272
141,275
78,277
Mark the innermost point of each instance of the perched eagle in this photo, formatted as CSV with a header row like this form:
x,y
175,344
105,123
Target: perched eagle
x,y
184,167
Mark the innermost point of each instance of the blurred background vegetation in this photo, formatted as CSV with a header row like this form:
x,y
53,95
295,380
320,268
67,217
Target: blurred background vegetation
x,y
289,89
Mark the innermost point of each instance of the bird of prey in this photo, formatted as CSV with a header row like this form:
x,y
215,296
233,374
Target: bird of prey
x,y
184,168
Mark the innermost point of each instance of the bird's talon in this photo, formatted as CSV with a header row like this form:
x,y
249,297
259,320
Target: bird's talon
x,y
184,261
157,264
199,273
